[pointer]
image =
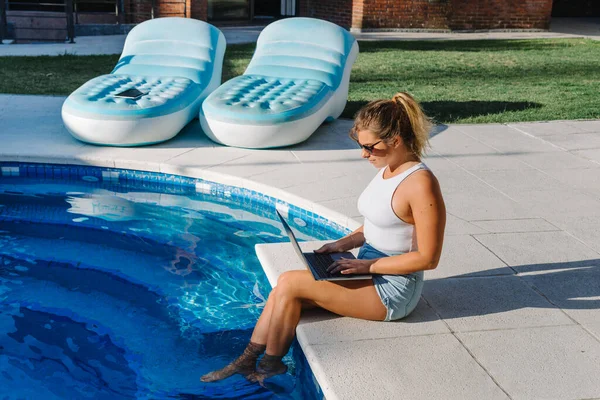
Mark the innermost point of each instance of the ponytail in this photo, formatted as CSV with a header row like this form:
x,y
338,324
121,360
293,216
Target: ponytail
x,y
419,122
401,116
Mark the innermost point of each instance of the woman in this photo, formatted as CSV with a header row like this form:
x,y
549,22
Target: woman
x,y
402,206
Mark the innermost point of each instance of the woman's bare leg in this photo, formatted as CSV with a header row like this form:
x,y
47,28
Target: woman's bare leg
x,y
261,329
260,333
246,363
357,299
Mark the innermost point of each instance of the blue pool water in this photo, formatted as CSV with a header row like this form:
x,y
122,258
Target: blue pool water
x,y
123,285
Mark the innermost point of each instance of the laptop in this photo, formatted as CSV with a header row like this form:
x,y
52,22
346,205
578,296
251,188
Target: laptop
x,y
317,263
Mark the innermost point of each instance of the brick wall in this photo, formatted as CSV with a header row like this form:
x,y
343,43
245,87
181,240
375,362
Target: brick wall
x,y
412,14
137,11
432,14
499,14
199,9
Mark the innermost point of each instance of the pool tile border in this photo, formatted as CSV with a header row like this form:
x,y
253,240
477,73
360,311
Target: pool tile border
x,y
301,216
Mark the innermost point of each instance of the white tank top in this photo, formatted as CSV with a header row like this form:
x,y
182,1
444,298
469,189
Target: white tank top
x,y
382,228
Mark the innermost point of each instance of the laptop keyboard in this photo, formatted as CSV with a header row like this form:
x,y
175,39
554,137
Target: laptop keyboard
x,y
320,262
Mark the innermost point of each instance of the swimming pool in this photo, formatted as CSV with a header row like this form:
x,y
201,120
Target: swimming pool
x,y
118,284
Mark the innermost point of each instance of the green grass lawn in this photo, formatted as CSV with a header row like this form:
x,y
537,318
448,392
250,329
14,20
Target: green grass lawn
x,y
455,81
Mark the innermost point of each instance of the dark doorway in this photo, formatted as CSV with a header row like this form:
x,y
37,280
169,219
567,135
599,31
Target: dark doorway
x,y
267,8
219,10
576,8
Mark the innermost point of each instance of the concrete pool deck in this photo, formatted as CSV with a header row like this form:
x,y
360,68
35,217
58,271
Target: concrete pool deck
x,y
513,309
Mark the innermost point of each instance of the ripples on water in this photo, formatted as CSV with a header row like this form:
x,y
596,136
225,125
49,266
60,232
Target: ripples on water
x,y
112,292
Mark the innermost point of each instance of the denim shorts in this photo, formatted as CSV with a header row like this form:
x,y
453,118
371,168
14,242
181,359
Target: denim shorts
x,y
399,293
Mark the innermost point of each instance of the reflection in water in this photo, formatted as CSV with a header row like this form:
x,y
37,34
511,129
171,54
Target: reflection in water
x,y
119,295
109,208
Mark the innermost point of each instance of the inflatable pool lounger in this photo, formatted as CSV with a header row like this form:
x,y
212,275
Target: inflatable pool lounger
x,y
172,63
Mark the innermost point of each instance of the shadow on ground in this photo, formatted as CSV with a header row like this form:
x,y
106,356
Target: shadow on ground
x,y
567,285
452,111
461,45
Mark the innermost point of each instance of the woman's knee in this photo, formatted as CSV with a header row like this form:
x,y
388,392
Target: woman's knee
x,y
272,294
287,284
287,278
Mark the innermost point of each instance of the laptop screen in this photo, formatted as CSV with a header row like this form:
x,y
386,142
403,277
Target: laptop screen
x,y
290,234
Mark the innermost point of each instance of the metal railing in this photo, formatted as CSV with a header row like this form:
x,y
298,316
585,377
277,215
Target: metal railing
x,y
43,20
3,22
100,7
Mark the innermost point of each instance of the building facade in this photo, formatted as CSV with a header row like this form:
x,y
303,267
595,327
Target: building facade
x,y
387,14
45,19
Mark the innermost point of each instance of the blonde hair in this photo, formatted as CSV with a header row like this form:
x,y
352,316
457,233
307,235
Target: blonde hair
x,y
401,116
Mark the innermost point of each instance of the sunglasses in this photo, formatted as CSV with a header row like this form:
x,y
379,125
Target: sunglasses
x,y
368,147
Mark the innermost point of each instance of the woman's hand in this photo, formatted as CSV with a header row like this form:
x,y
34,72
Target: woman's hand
x,y
344,244
351,266
333,247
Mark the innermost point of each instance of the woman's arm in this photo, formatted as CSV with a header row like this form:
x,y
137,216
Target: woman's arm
x,y
353,240
429,214
348,242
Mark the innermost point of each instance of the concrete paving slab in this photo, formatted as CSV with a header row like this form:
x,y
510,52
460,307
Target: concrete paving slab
x,y
460,181
479,262
586,180
84,45
548,128
484,204
147,158
348,161
256,162
38,128
563,159
346,206
330,136
574,287
593,155
417,367
593,329
489,303
588,126
579,141
206,156
21,146
322,327
540,249
540,363
298,174
565,201
458,226
506,139
339,187
436,162
454,142
512,182
52,155
489,162
516,225
584,229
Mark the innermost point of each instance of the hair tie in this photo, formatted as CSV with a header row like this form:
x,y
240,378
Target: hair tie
x,y
397,99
